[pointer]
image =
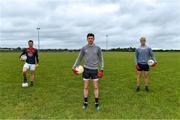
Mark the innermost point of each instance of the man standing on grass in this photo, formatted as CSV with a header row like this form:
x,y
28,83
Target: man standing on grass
x,y
31,62
93,57
142,55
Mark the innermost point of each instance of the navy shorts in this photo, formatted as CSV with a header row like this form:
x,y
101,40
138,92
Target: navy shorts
x,y
90,74
143,67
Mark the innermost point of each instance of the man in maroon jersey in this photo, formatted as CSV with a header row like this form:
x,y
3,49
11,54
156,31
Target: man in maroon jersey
x,y
31,62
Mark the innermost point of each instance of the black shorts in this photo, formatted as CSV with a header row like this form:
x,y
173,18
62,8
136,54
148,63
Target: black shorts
x,y
143,67
90,74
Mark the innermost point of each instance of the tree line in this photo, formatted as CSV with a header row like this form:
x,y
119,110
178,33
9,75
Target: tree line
x,y
130,49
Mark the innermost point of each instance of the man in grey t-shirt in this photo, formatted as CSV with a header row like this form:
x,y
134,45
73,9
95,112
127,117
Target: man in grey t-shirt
x,y
93,58
142,55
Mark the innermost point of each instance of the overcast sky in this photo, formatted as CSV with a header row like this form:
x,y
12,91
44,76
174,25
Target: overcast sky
x,y
65,23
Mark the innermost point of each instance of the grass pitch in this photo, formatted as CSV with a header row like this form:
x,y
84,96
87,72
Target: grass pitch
x,y
58,93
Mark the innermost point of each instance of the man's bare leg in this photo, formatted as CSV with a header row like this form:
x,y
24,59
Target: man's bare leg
x,y
24,72
138,82
86,93
96,90
32,74
96,94
146,80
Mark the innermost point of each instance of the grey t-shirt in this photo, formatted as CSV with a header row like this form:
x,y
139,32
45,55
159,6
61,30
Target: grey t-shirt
x,y
92,55
143,54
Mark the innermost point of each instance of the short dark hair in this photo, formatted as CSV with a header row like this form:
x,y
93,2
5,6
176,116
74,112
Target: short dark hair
x,y
90,34
30,41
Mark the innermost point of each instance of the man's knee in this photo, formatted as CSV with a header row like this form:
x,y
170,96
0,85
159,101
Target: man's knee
x,y
139,73
138,77
146,75
86,87
32,72
24,72
95,86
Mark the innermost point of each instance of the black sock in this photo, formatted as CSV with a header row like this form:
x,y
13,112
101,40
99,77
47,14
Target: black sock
x,y
137,88
25,79
146,88
86,100
97,100
31,83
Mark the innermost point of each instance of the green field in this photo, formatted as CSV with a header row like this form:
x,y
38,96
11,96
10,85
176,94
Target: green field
x,y
58,93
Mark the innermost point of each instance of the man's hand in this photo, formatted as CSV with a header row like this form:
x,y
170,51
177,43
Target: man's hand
x,y
20,58
154,64
100,74
137,67
75,71
37,65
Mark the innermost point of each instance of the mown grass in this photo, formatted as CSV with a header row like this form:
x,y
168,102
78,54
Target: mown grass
x,y
58,93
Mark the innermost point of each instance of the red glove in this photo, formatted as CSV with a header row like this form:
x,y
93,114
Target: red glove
x,y
137,67
154,64
100,74
75,71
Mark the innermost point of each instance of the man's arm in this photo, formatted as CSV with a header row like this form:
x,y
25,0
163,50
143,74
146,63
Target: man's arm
x,y
37,57
152,55
136,56
101,60
78,60
23,52
136,60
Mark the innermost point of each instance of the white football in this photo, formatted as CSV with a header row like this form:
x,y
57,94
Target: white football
x,y
23,57
151,62
24,85
79,69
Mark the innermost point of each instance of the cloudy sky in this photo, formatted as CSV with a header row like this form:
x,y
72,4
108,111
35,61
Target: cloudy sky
x,y
65,23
